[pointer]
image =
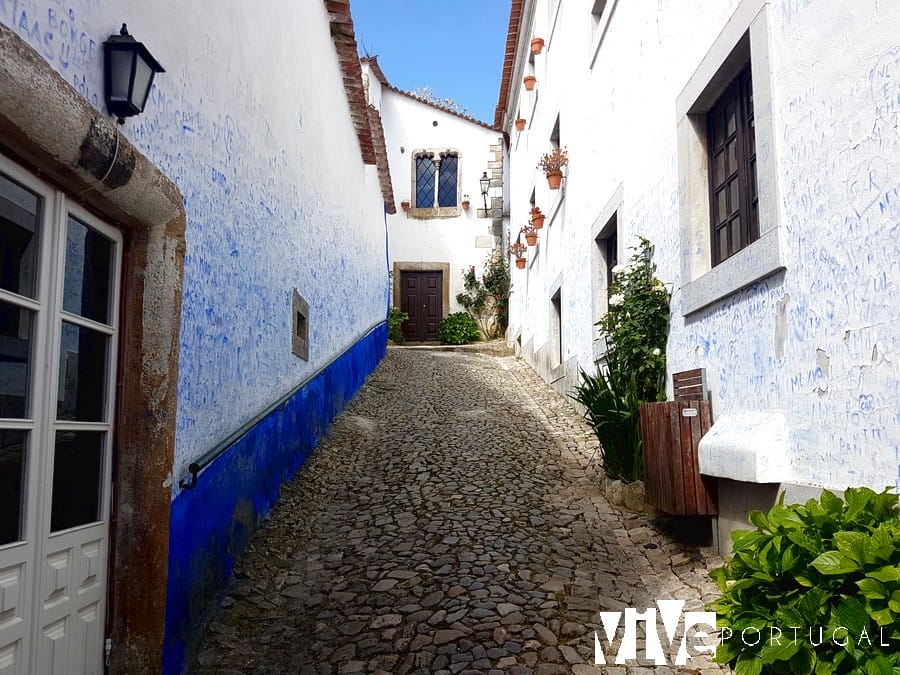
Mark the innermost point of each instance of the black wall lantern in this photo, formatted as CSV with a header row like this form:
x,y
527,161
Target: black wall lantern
x,y
485,186
130,69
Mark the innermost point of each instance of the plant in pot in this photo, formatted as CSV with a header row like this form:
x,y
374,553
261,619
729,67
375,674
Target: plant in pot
x,y
518,250
537,45
520,124
530,234
552,163
537,218
529,82
404,205
465,202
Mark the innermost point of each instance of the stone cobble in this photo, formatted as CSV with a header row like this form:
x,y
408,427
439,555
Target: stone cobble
x,y
452,522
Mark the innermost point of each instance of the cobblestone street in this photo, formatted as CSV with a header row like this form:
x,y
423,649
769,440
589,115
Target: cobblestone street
x,y
451,522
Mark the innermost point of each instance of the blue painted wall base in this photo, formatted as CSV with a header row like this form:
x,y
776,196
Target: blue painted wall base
x,y
213,523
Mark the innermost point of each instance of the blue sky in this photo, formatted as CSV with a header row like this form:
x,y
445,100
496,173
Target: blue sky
x,y
454,47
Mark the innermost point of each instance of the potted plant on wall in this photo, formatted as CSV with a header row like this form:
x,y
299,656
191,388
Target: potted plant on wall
x,y
518,250
529,82
552,163
537,218
530,234
537,44
404,205
520,124
465,202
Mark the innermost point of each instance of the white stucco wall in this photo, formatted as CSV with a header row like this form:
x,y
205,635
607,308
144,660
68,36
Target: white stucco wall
x,y
462,240
816,344
251,122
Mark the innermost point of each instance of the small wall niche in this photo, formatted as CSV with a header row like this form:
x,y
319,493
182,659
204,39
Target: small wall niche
x,y
299,326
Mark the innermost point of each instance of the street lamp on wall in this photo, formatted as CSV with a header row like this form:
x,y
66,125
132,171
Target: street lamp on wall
x,y
485,186
129,69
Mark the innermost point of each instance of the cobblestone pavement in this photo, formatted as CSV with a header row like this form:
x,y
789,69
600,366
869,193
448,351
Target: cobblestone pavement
x,y
450,523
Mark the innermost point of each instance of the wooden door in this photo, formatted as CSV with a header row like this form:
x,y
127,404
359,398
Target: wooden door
x,y
421,299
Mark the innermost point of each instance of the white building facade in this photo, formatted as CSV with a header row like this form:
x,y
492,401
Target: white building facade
x,y
445,225
186,301
755,144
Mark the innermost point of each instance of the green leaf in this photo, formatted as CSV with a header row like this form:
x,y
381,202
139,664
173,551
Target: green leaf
x,y
834,562
880,545
879,666
851,614
886,574
883,616
852,545
779,649
785,517
871,589
831,503
759,520
748,664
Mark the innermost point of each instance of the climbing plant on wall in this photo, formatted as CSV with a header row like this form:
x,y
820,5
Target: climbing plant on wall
x,y
486,297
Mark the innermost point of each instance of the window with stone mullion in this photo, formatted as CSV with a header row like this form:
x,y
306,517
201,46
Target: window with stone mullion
x,y
447,179
425,181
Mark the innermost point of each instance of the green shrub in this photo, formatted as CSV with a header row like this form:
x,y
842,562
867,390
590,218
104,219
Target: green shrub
x,y
613,410
830,568
459,328
395,319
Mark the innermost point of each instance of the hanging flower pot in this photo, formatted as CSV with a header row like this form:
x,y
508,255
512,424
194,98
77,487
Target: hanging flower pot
x,y
537,45
465,202
520,124
520,263
554,179
530,234
404,205
537,220
529,82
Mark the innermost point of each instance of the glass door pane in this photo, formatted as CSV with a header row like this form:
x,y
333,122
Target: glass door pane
x,y
19,234
12,484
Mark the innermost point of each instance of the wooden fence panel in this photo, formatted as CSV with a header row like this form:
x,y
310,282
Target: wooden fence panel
x,y
672,477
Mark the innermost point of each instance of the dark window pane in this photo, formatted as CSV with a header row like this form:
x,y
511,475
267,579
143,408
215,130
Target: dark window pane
x,y
722,207
722,236
719,174
19,225
730,118
77,473
88,255
736,235
424,182
15,355
735,197
447,181
82,374
12,485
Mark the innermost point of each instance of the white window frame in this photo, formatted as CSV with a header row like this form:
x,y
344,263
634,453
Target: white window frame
x,y
746,36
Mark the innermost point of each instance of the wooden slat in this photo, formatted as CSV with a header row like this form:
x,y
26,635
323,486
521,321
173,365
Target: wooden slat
x,y
690,385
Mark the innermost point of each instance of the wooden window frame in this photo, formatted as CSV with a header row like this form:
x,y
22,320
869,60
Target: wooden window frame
x,y
739,93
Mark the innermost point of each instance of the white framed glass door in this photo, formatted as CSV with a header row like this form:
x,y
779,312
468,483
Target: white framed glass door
x,y
60,270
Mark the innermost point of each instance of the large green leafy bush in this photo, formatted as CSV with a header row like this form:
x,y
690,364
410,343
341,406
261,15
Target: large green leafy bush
x,y
395,325
459,328
829,569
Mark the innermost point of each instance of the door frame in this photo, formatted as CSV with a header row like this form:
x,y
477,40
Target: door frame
x,y
86,155
442,267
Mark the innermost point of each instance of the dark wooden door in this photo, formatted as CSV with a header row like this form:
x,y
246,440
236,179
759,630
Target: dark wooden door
x,y
421,299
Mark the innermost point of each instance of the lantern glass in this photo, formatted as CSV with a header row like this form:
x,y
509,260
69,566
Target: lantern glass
x,y
143,79
120,70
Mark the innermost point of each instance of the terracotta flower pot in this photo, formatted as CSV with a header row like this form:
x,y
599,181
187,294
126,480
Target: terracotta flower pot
x,y
465,206
520,124
537,221
531,239
520,263
529,82
404,206
537,45
554,178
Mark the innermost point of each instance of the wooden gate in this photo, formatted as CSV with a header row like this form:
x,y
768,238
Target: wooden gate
x,y
671,433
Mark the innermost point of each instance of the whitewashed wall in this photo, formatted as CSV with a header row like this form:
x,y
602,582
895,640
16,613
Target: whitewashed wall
x,y
463,240
817,344
252,123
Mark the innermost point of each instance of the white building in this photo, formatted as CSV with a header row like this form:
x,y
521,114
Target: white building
x,y
790,301
437,159
186,301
